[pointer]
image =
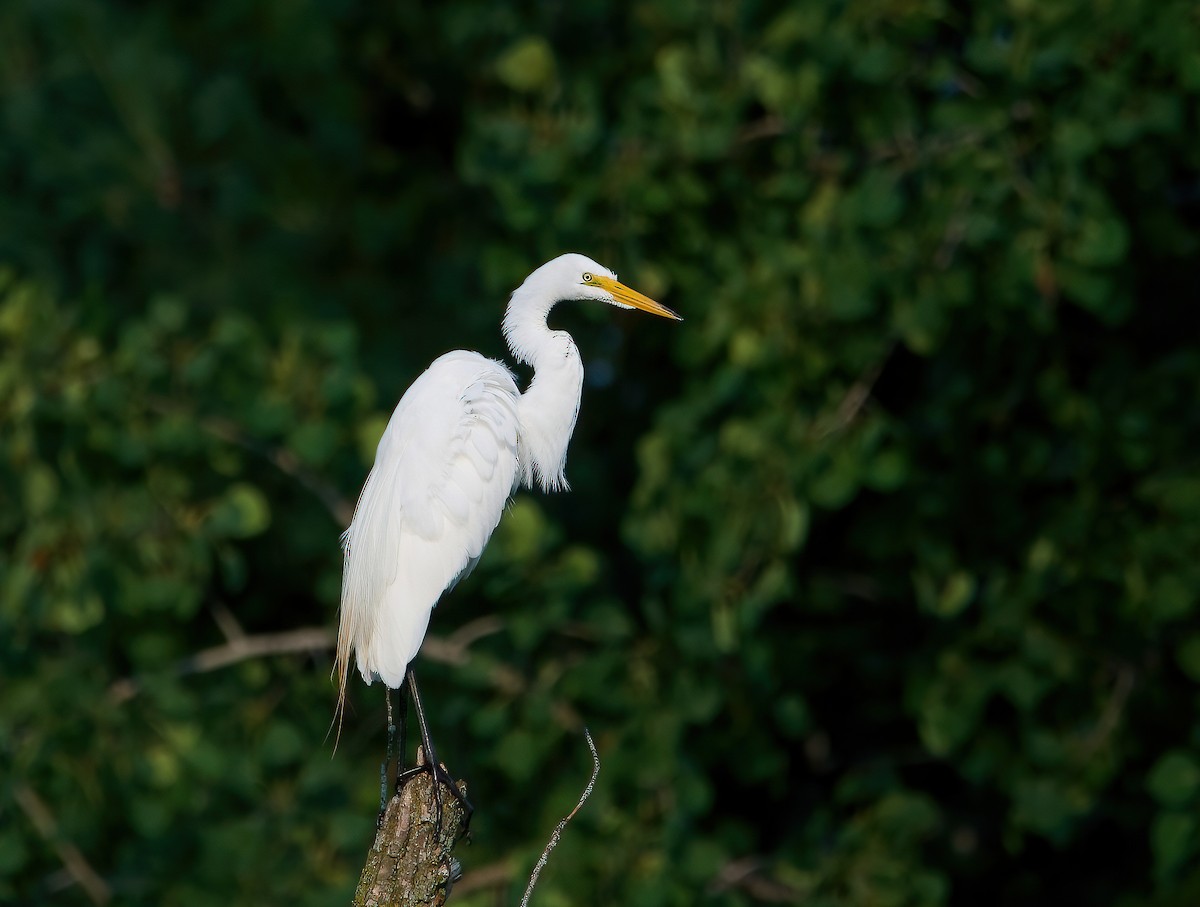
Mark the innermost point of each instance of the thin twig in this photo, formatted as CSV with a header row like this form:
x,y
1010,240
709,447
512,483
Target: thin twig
x,y
493,875
286,462
553,842
906,147
853,400
72,858
955,232
341,509
231,628
745,874
241,648
1110,717
767,127
454,649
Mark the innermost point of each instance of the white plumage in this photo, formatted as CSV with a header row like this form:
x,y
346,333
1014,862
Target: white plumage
x,y
461,440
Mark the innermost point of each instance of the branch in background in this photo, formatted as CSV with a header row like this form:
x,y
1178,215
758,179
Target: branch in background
x,y
1110,717
240,646
767,127
494,875
230,626
909,149
854,400
746,875
306,639
281,458
72,859
455,648
286,462
956,232
553,842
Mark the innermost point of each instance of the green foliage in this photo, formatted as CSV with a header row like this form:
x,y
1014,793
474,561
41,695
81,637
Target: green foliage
x,y
878,582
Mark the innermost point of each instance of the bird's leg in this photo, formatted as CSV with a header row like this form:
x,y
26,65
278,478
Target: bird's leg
x,y
385,769
440,775
403,733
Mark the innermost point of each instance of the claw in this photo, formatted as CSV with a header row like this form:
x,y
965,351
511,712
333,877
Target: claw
x,y
427,761
441,776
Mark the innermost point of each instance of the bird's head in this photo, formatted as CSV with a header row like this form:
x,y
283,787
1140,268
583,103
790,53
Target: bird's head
x,y
568,277
575,276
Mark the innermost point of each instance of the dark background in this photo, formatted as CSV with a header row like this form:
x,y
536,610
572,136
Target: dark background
x,y
877,584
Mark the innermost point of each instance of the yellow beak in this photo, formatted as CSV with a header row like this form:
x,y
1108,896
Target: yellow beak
x,y
629,297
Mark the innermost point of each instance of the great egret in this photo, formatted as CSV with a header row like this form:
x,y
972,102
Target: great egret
x,y
462,439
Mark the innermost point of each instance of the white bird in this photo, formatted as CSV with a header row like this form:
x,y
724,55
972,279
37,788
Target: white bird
x,y
460,442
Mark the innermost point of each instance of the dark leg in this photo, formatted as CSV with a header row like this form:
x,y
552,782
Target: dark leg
x,y
440,775
385,773
403,731
385,769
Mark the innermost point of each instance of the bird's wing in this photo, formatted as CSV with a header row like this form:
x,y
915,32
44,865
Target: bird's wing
x,y
444,469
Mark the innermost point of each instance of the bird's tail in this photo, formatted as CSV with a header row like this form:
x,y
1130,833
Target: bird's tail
x,y
341,668
341,665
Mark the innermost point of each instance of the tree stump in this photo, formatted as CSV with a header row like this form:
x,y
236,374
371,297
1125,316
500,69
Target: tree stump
x,y
410,863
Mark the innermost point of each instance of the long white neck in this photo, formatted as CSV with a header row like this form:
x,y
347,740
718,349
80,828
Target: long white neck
x,y
550,404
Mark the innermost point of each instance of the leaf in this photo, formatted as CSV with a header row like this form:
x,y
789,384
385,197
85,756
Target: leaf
x,y
1187,654
1175,778
242,512
1174,841
527,66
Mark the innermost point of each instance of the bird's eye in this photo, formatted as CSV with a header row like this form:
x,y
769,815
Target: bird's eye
x,y
587,278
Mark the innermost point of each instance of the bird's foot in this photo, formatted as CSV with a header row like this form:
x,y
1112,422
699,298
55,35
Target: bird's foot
x,y
441,777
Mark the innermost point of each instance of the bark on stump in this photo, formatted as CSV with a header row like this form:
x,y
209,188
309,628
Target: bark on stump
x,y
410,863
